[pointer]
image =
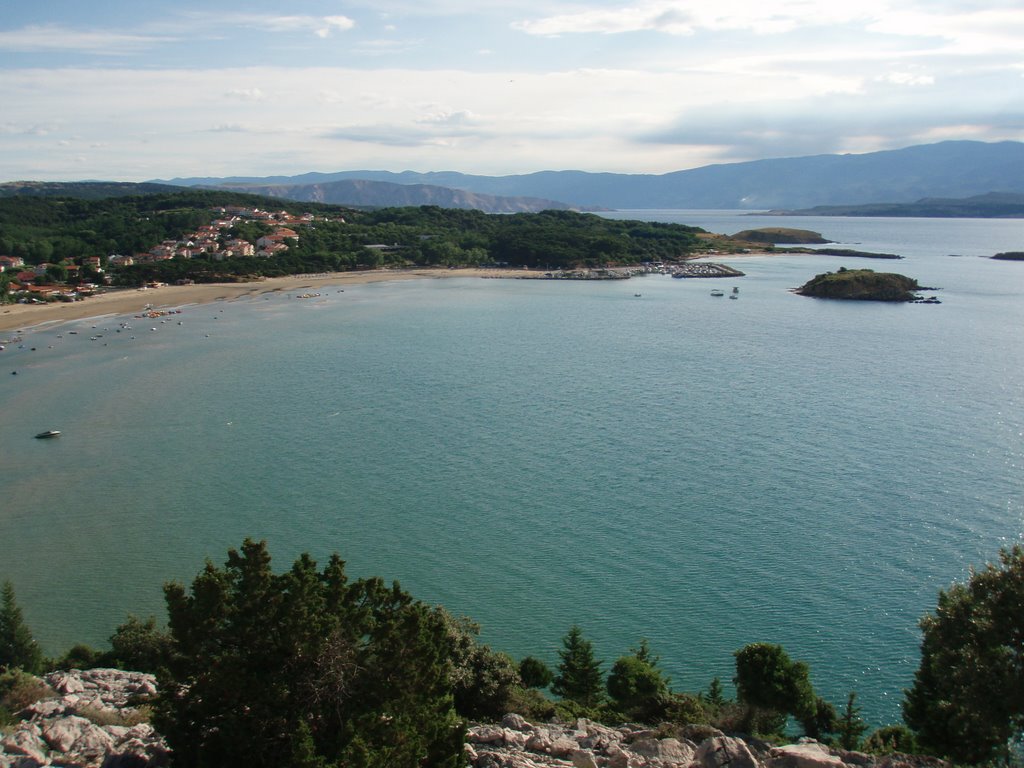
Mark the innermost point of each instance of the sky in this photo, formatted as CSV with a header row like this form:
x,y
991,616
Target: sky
x,y
133,91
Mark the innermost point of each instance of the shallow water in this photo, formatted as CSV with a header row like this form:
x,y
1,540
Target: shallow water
x,y
698,471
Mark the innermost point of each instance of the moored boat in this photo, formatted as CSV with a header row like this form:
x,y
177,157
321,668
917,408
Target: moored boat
x,y
48,433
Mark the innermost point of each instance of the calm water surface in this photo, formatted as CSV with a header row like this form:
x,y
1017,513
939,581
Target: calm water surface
x,y
694,470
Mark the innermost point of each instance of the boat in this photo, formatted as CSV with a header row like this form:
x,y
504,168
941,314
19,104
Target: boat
x,y
717,292
735,289
48,433
733,296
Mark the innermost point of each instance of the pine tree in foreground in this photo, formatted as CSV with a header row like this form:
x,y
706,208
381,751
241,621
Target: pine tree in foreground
x,y
18,649
579,676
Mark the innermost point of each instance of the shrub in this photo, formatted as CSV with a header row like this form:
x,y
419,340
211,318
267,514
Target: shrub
x,y
889,739
103,716
18,689
535,673
531,704
637,687
79,657
685,709
482,680
139,646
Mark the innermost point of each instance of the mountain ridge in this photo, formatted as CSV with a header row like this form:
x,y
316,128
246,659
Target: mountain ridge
x,y
949,169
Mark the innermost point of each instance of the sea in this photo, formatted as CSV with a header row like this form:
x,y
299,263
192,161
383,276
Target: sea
x,y
637,457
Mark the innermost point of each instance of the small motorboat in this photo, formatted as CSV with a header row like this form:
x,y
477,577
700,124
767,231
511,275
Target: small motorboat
x,y
717,292
47,434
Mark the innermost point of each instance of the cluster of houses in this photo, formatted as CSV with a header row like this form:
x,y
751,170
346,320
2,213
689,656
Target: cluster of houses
x,y
210,240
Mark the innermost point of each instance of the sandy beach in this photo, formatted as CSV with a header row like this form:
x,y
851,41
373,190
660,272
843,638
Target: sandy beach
x,y
127,301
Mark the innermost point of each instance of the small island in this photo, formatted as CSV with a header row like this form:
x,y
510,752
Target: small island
x,y
1010,256
781,236
864,285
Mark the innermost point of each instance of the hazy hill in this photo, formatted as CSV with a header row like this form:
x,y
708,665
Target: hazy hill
x,y
363,192
994,205
948,169
82,190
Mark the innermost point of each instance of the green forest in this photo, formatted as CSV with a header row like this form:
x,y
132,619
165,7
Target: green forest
x,y
305,667
60,230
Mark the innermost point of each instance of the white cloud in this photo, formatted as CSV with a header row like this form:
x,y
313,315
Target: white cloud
x,y
246,94
294,119
676,17
976,33
320,26
55,38
907,78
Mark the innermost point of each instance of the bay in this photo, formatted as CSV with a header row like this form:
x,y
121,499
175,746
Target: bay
x,y
697,471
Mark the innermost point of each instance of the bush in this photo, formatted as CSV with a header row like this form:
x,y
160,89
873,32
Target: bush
x,y
567,710
531,704
685,709
637,687
482,680
139,646
18,689
102,716
535,673
80,657
891,738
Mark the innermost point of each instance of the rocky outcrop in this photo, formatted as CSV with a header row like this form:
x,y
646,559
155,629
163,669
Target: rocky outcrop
x,y
862,285
780,236
516,743
94,720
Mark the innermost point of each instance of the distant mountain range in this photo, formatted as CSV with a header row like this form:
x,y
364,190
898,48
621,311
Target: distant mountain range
x,y
951,169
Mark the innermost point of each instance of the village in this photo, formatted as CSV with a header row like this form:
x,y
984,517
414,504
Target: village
x,y
70,280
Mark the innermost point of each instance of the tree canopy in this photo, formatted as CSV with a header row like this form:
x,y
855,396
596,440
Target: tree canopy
x,y
767,679
305,668
967,700
53,229
637,686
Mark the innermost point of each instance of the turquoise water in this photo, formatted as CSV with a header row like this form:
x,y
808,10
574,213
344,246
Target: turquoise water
x,y
697,471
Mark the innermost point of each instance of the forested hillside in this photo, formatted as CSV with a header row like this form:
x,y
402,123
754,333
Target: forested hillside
x,y
324,238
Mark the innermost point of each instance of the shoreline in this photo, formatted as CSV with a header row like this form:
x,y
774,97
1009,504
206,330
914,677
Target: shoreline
x,y
128,301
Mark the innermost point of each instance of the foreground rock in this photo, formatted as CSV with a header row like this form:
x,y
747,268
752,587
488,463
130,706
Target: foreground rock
x,y
515,743
93,720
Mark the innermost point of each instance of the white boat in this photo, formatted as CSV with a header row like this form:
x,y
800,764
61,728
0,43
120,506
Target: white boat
x,y
48,433
718,292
